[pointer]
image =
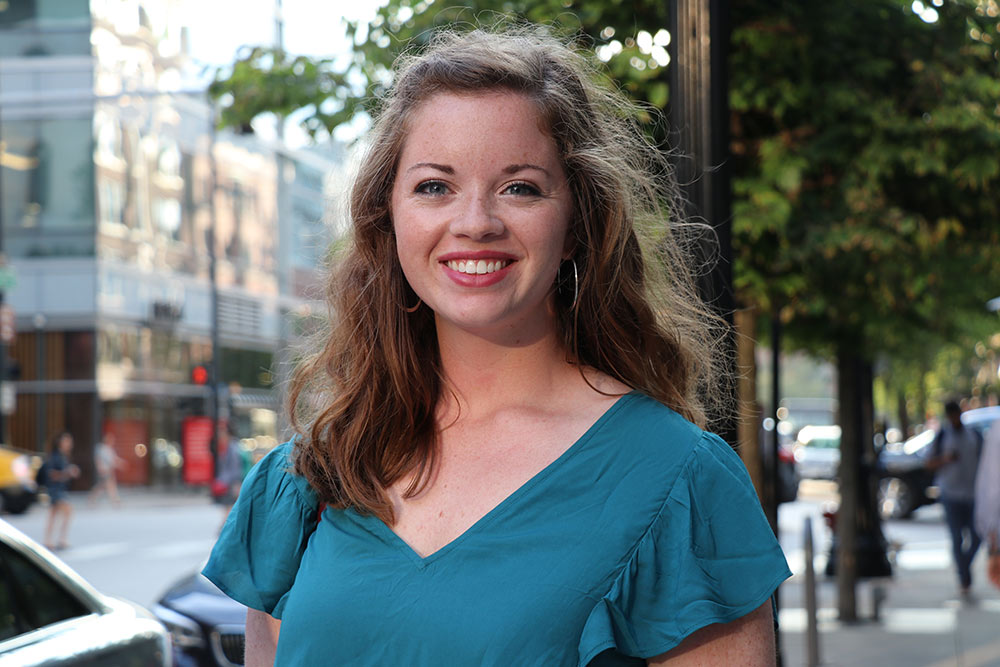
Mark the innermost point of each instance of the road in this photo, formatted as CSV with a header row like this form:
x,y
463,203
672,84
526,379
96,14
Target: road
x,y
138,550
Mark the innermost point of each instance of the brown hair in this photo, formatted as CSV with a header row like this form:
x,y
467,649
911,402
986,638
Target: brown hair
x,y
364,404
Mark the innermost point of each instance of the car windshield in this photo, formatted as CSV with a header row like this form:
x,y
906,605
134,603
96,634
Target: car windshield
x,y
820,437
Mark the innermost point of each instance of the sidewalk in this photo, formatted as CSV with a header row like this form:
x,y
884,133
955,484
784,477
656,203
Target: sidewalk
x,y
142,497
922,622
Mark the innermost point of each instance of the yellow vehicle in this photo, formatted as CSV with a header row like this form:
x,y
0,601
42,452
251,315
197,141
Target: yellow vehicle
x,y
18,490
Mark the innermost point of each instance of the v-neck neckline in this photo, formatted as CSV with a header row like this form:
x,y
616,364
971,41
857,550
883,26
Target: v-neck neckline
x,y
391,537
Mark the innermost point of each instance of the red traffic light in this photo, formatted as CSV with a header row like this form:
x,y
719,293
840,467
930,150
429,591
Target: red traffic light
x,y
199,375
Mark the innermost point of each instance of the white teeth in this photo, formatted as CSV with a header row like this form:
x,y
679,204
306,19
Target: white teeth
x,y
473,267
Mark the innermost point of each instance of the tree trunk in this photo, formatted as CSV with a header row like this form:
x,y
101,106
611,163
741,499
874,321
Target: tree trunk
x,y
902,414
850,467
861,545
748,430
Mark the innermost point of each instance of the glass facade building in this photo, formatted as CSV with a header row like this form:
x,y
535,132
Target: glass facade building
x,y
142,240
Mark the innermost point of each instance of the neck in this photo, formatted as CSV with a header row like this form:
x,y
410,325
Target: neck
x,y
485,372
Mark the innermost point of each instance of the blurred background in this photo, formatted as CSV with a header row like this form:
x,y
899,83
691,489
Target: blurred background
x,y
172,181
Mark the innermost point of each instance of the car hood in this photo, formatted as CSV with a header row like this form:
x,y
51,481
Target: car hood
x,y
198,598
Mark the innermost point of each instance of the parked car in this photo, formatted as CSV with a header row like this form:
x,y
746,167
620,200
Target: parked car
x,y
788,475
18,491
905,483
817,451
50,616
206,626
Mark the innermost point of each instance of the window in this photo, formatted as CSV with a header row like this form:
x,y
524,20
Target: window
x,y
48,187
30,598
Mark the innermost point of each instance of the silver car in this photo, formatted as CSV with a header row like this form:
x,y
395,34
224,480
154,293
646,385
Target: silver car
x,y
817,452
50,616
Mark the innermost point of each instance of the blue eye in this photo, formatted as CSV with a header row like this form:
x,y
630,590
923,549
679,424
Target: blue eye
x,y
523,190
435,188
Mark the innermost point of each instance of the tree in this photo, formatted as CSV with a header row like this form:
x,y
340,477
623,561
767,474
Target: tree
x,y
864,142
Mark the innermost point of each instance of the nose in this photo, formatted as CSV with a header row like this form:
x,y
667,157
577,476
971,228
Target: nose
x,y
477,219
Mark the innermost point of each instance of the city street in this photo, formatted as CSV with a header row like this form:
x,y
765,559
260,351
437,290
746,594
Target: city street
x,y
138,550
921,620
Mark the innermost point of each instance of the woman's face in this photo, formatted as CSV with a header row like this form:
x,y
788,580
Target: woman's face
x,y
481,209
66,444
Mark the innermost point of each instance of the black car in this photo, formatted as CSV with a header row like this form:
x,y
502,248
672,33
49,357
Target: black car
x,y
50,616
206,626
905,483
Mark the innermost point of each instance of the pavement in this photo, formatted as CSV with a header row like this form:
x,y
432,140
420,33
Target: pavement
x,y
921,621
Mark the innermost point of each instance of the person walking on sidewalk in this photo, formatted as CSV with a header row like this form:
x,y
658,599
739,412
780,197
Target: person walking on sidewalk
x,y
106,464
987,510
955,459
59,473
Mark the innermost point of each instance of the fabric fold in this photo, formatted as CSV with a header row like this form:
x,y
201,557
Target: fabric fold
x,y
257,556
698,563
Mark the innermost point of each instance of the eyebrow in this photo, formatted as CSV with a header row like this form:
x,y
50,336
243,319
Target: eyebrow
x,y
514,168
432,165
510,169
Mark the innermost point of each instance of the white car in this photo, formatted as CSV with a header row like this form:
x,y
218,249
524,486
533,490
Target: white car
x,y
50,616
817,452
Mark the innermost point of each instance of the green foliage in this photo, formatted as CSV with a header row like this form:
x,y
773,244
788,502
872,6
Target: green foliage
x,y
864,157
268,80
864,145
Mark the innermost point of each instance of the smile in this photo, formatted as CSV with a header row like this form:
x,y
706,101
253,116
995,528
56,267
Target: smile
x,y
477,266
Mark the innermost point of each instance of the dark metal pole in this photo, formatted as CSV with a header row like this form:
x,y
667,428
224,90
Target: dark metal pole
x,y
773,462
699,120
214,371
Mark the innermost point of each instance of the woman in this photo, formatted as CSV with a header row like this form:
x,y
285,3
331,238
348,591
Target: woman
x,y
59,473
504,450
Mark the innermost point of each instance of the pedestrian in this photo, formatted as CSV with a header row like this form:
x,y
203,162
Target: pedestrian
x,y
499,459
987,511
106,464
59,472
955,459
232,468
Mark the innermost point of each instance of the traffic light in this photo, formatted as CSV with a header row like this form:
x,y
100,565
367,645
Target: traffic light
x,y
199,374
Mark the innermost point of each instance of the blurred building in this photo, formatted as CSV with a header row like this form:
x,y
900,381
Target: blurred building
x,y
138,236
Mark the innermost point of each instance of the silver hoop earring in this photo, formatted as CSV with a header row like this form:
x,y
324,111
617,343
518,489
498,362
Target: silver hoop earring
x,y
576,281
576,285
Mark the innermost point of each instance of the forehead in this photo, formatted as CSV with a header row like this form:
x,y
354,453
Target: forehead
x,y
493,122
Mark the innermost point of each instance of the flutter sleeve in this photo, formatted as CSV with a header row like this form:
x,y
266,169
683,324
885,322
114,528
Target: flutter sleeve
x,y
709,556
257,555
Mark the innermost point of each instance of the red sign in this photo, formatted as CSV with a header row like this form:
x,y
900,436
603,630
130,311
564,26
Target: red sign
x,y
196,441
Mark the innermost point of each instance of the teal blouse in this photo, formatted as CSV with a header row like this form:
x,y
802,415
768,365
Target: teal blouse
x,y
645,530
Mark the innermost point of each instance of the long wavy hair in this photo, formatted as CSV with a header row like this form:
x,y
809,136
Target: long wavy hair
x,y
364,402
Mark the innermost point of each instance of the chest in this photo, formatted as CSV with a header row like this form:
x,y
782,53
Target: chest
x,y
517,588
480,465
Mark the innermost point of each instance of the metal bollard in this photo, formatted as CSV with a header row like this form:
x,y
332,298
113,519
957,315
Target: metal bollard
x,y
812,632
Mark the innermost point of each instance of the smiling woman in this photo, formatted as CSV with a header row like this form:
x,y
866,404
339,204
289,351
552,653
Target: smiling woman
x,y
500,457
